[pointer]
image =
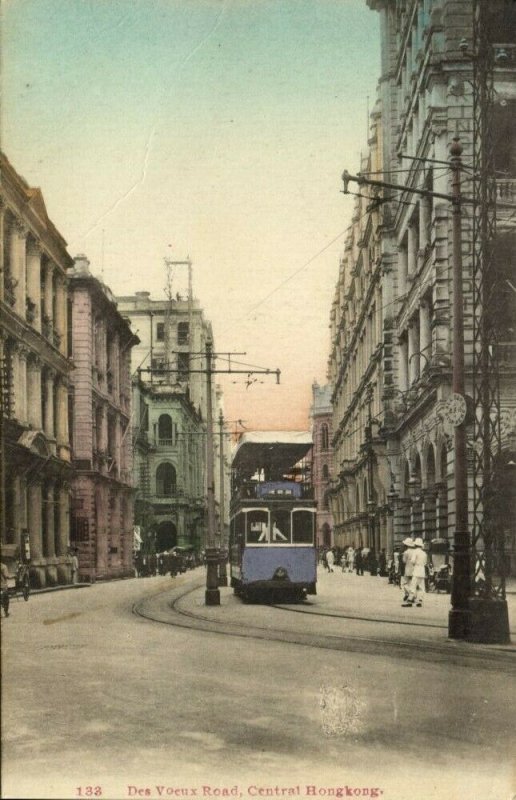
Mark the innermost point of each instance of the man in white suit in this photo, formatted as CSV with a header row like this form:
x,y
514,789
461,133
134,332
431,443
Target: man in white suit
x,y
417,586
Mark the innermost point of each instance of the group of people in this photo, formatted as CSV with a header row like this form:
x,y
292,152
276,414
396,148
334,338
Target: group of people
x,y
408,568
355,559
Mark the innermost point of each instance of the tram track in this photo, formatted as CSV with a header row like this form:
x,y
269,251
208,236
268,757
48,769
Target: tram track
x,y
165,610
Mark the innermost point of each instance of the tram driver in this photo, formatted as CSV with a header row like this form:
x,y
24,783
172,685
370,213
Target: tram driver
x,y
277,534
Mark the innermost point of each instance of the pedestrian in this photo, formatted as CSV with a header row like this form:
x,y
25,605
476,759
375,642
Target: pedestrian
x,y
350,558
359,562
5,588
330,560
382,564
373,563
407,568
417,586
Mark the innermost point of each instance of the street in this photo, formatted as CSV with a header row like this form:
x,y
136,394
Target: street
x,y
162,705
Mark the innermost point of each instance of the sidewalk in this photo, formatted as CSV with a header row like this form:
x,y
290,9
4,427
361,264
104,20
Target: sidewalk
x,y
373,599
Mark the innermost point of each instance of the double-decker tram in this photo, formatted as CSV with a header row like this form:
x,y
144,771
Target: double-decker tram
x,y
272,519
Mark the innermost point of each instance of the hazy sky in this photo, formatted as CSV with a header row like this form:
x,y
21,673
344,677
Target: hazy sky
x,y
212,128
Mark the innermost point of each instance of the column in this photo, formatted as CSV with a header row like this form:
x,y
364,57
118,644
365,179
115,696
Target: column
x,y
48,321
34,284
60,313
20,390
18,265
412,248
424,222
425,336
48,422
61,422
34,526
413,352
63,534
34,392
49,547
402,270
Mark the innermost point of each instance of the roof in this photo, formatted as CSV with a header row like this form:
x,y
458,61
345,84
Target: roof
x,y
276,451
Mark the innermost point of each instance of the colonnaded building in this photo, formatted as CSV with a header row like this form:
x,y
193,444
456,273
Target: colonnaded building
x,y
35,370
448,73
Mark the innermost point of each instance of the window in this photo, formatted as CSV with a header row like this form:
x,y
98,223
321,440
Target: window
x,y
165,433
183,333
183,366
303,527
160,332
257,527
324,437
165,480
280,527
325,472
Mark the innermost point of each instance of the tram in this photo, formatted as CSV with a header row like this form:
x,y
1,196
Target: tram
x,y
272,550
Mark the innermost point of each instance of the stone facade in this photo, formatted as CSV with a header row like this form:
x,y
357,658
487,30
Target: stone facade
x,y
34,351
102,509
169,427
424,100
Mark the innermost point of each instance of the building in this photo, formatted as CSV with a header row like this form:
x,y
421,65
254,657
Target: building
x,y
34,351
360,340
169,427
434,87
102,508
322,458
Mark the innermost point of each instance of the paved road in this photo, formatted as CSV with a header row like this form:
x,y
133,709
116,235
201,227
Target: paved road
x,y
94,695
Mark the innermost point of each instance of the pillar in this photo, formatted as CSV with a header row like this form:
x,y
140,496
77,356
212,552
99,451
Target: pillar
x,y
34,514
21,389
61,422
412,248
424,222
61,312
63,535
48,322
413,352
34,392
425,336
48,422
18,265
402,270
34,283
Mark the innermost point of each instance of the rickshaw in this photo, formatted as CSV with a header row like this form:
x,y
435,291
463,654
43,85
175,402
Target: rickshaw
x,y
439,566
18,574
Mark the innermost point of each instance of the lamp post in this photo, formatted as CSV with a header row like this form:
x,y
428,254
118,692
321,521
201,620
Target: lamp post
x,y
212,594
459,618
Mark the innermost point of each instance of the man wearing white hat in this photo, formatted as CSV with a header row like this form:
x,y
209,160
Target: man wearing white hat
x,y
417,586
408,568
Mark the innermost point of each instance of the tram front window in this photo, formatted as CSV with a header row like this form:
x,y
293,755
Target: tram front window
x,y
303,527
257,527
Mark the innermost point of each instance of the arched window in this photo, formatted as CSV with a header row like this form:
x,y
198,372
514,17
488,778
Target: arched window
x,y
324,437
165,480
325,471
165,429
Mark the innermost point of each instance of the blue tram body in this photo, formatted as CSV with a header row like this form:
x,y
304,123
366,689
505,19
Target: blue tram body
x,y
272,531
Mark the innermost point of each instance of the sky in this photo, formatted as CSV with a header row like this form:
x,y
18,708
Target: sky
x,y
214,129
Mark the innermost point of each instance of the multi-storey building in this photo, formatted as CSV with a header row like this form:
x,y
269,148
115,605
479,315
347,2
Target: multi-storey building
x,y
34,349
169,428
359,339
102,508
322,457
430,74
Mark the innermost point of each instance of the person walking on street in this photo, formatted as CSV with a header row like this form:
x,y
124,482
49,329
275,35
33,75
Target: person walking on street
x,y
350,558
359,562
330,560
417,586
407,569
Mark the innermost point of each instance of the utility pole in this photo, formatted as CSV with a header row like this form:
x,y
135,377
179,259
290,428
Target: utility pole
x,y
212,594
223,577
